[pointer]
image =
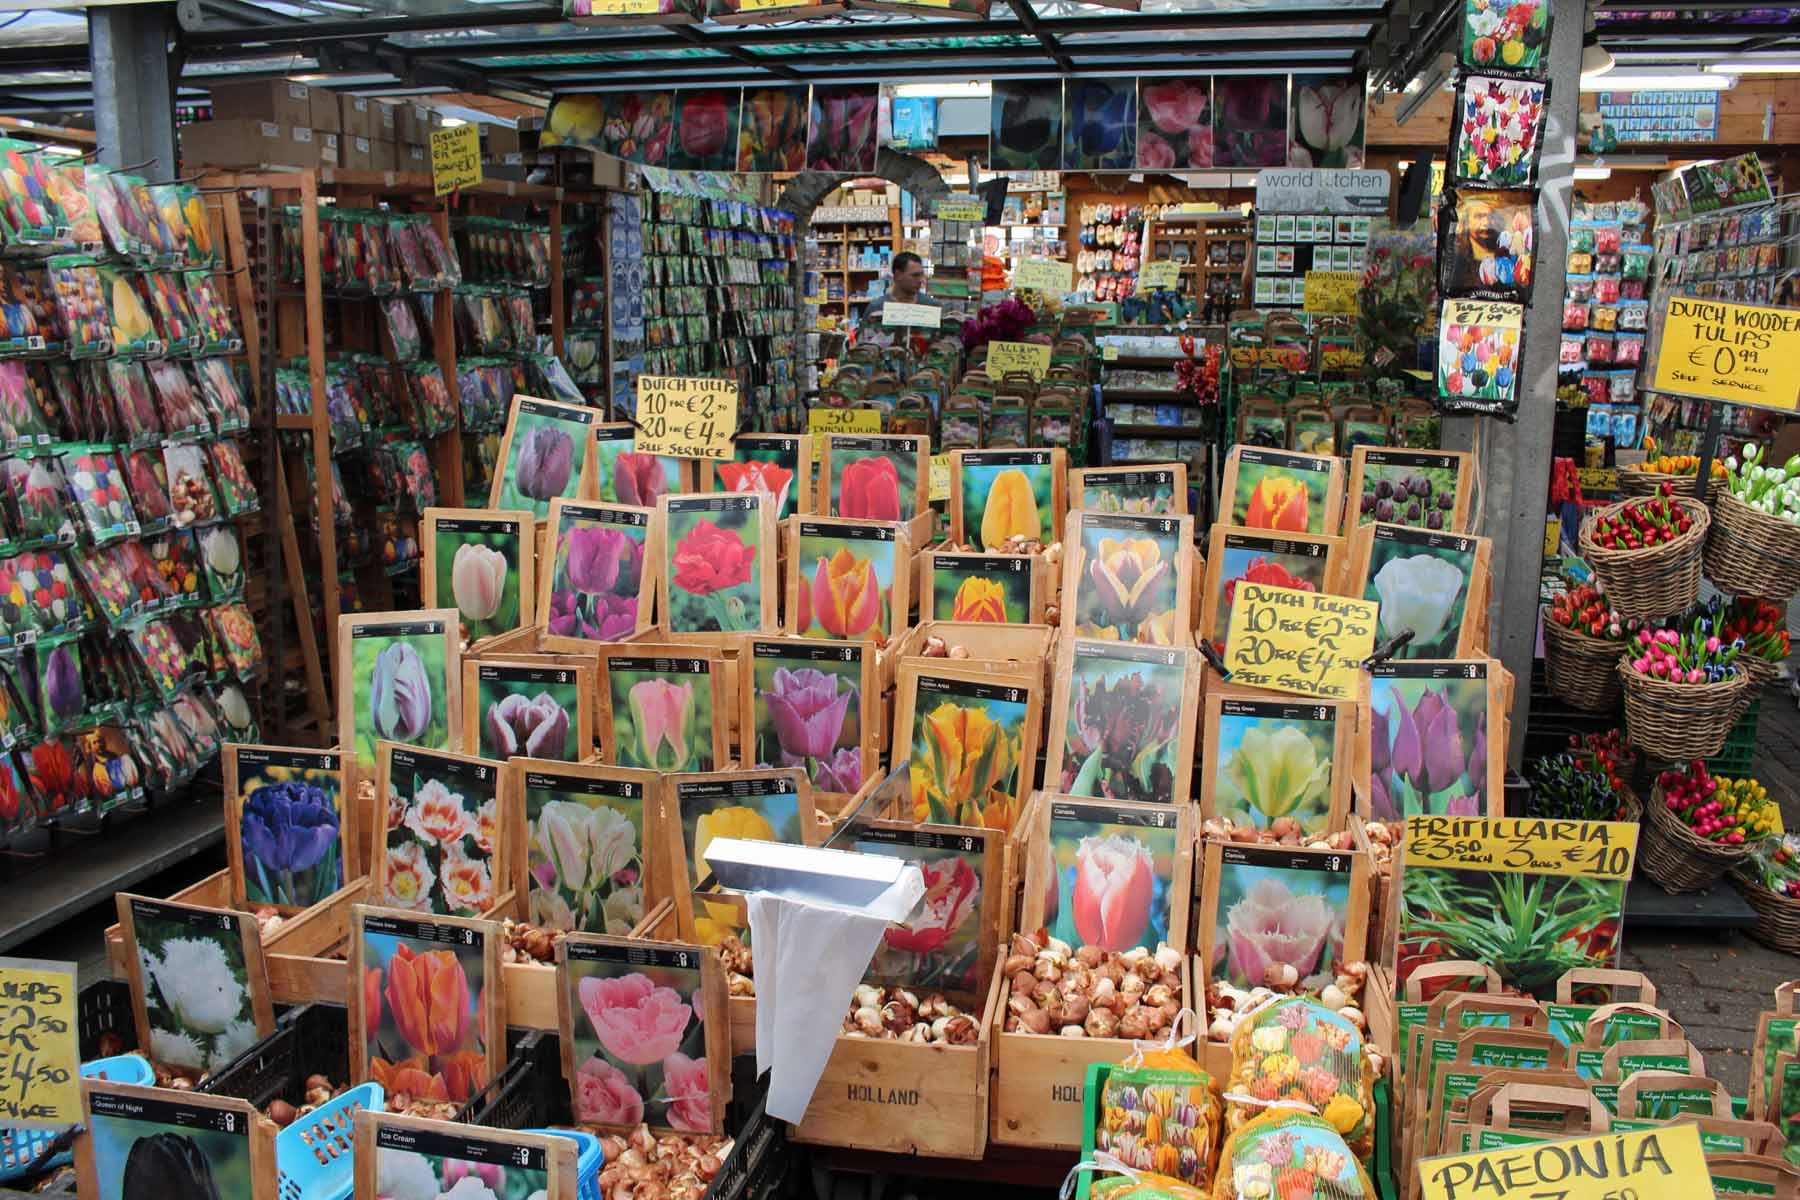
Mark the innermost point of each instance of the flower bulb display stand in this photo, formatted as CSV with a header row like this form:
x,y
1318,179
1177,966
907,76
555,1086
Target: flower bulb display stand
x,y
1750,553
1582,670
1651,582
1677,859
1679,721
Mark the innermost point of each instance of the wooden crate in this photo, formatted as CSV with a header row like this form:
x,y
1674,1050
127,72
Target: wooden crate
x,y
904,1097
998,645
212,892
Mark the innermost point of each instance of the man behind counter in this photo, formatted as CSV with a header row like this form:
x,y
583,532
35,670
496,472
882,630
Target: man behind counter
x,y
906,288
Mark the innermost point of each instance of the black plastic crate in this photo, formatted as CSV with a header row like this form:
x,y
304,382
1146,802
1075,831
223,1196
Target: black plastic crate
x,y
101,1008
310,1039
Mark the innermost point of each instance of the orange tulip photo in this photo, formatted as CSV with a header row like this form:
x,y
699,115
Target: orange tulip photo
x,y
422,1010
1280,498
846,582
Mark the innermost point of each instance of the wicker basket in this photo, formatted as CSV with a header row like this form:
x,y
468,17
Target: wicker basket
x,y
1635,481
1677,859
1679,721
1750,553
1762,673
1581,669
1653,581
1777,916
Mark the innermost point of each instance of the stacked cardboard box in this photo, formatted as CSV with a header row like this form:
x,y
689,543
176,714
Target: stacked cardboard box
x,y
274,122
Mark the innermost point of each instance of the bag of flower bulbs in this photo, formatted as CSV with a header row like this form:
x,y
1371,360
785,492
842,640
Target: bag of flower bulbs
x,y
1119,1181
1297,1052
1159,1110
1286,1154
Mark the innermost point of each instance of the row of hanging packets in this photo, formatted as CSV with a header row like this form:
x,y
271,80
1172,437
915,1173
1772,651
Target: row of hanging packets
x,y
363,251
493,320
50,206
366,397
103,311
507,251
121,402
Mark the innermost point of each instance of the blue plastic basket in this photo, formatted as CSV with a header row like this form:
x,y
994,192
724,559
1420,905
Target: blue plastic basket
x,y
314,1157
587,1164
19,1148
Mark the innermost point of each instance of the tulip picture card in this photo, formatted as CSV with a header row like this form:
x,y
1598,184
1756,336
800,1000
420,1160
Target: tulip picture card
x,y
544,453
597,581
1110,874
997,495
1480,345
1426,749
718,569
875,477
1158,489
811,704
846,579
595,845
970,737
662,707
1326,125
776,464
528,709
424,1013
1485,242
1498,126
482,561
1275,760
949,942
1274,907
1426,489
623,476
1432,585
199,989
288,826
1282,491
1126,724
441,849
644,1033
148,1141
398,1156
399,680
1128,577
994,588
1510,37
1305,562
763,805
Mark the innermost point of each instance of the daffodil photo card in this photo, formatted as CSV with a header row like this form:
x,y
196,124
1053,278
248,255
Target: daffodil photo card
x,y
1127,577
288,825
662,707
1151,489
1432,585
1276,759
481,560
1282,490
811,704
199,988
595,845
847,579
1001,589
762,805
996,495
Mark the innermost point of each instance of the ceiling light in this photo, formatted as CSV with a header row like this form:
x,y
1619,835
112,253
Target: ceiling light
x,y
1596,60
1593,172
945,91
1755,66
1693,81
453,122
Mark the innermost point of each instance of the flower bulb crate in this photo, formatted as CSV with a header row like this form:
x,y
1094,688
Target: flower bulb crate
x,y
309,1039
898,1097
1030,648
212,892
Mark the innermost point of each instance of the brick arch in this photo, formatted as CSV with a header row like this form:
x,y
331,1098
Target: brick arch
x,y
913,174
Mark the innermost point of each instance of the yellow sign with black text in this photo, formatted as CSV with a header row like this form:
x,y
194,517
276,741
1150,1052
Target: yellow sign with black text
x,y
821,421
1522,845
455,158
1046,275
40,1074
1332,291
940,477
960,208
686,418
1005,357
1301,643
1158,275
1738,353
1651,1164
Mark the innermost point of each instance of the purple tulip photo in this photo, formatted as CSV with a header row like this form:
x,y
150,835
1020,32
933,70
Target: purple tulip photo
x,y
289,836
400,694
543,462
1428,755
805,719
593,593
530,728
62,683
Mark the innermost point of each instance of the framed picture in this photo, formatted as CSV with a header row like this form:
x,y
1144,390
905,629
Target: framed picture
x,y
971,738
776,464
1282,490
544,453
424,1021
1153,490
644,1032
1307,562
1270,757
442,851
662,707
847,579
1001,494
592,838
1126,729
810,704
199,989
1112,874
763,805
1426,748
397,1155
875,477
139,1139
718,575
623,476
1434,585
528,710
1128,577
1282,905
950,946
481,561
1426,489
289,825
598,582
399,680
997,588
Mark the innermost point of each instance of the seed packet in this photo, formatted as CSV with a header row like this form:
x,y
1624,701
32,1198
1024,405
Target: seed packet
x,y
161,656
236,491
1285,1154
38,594
223,559
547,376
22,421
202,249
414,269
1161,1114
435,409
177,559
18,719
1486,244
442,256
147,481
212,320
97,488
35,492
485,390
81,301
418,480
480,326
402,327
191,492
106,574
1295,1049
183,416
235,714
197,719
109,206
520,322
164,296
62,701
235,632
221,394
157,741
1478,354
61,788
28,208
398,540
1498,131
149,589
137,417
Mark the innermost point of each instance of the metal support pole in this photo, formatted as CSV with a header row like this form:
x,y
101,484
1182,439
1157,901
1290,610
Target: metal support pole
x,y
134,86
1515,459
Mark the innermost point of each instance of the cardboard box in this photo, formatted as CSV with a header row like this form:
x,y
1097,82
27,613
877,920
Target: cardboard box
x,y
279,100
414,125
416,159
354,117
382,121
325,118
383,155
355,153
236,142
330,154
501,141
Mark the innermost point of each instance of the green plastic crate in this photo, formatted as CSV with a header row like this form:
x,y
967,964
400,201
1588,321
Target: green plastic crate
x,y
1737,758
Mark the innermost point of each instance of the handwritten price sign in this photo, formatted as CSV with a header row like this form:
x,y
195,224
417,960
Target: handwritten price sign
x,y
455,159
1152,276
1733,352
1046,275
40,1080
821,421
960,208
1029,357
1332,291
1302,643
686,418
912,316
940,477
1523,846
1651,1164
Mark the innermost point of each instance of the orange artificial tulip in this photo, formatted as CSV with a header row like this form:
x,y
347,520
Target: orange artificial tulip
x,y
1278,503
428,995
979,599
846,596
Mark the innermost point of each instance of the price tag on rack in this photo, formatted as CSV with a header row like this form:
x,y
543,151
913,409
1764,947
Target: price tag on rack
x,y
455,158
40,1074
1045,275
1332,291
1156,276
686,418
1302,643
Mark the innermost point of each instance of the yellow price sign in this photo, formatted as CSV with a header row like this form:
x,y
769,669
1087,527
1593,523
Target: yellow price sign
x,y
1152,276
686,418
1302,643
1332,291
40,1077
1045,275
821,421
1650,1164
940,477
1029,357
960,208
455,158
1109,353
1738,353
1522,845
624,8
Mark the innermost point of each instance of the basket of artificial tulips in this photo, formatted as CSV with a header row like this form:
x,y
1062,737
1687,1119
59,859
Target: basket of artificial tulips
x,y
1646,552
1700,826
1583,639
1763,628
1683,690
